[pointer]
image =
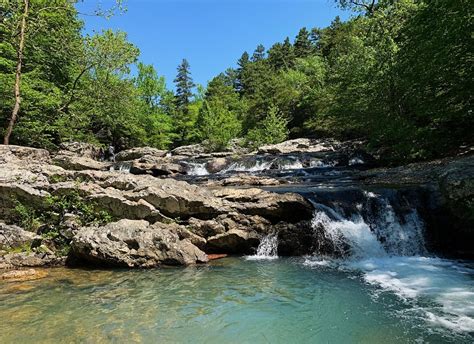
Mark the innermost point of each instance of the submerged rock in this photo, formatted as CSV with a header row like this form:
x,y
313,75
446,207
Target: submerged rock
x,y
23,275
129,243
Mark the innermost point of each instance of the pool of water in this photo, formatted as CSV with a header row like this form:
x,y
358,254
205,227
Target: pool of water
x,y
236,300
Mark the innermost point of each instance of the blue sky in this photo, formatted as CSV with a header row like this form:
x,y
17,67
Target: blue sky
x,y
211,34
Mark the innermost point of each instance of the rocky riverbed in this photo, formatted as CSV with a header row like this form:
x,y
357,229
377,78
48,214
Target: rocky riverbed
x,y
150,207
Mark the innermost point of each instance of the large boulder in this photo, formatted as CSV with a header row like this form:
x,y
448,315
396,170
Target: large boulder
x,y
288,207
12,236
134,243
138,153
180,199
30,259
157,169
234,241
299,146
216,165
10,193
26,154
70,161
82,149
190,150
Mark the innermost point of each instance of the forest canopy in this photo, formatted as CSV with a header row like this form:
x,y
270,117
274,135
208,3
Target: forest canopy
x,y
397,74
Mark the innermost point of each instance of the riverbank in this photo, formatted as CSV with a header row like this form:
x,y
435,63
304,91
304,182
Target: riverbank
x,y
73,208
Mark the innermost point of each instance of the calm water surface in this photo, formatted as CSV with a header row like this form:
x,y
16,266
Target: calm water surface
x,y
232,300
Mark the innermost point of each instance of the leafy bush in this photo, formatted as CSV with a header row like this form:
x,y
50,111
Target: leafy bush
x,y
217,125
272,129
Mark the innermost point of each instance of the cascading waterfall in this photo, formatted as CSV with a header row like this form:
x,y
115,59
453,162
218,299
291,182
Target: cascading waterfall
x,y
197,169
257,166
380,233
388,249
123,167
268,248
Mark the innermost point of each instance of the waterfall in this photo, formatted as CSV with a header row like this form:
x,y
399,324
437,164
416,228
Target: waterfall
x,y
197,169
372,230
123,167
267,249
257,166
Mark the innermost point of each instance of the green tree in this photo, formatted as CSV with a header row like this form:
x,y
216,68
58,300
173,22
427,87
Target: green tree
x,y
157,123
272,129
303,46
183,120
217,125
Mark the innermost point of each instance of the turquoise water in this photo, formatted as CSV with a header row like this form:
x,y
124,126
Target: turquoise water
x,y
235,300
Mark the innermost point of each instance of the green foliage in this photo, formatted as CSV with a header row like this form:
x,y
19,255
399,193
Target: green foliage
x,y
272,129
48,219
397,74
217,125
26,217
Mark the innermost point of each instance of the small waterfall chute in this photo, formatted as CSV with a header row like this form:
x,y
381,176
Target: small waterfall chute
x,y
267,249
123,167
197,169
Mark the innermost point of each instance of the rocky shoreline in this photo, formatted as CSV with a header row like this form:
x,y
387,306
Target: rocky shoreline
x,y
72,208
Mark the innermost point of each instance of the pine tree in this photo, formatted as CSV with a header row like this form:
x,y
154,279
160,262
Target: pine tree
x,y
184,85
303,45
259,53
182,118
281,56
242,64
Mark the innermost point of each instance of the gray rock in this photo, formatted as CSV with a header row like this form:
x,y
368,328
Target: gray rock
x,y
136,243
82,149
289,207
234,241
300,146
27,154
217,165
70,161
190,150
139,152
12,236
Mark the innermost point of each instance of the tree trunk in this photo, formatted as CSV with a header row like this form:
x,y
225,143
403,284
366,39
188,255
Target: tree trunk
x,y
16,108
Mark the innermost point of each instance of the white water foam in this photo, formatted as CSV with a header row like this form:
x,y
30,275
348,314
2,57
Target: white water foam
x,y
321,164
389,254
442,289
267,249
123,167
197,169
356,161
291,165
258,166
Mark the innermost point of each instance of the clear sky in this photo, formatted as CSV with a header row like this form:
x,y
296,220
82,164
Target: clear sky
x,y
211,34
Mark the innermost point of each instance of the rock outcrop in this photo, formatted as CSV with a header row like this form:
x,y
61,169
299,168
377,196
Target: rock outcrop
x,y
12,237
139,153
129,243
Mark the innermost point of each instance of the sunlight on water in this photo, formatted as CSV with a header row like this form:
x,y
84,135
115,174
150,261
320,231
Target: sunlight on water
x,y
231,301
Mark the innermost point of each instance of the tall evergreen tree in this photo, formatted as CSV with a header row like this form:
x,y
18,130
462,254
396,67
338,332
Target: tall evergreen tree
x,y
184,91
303,46
184,87
242,64
259,53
